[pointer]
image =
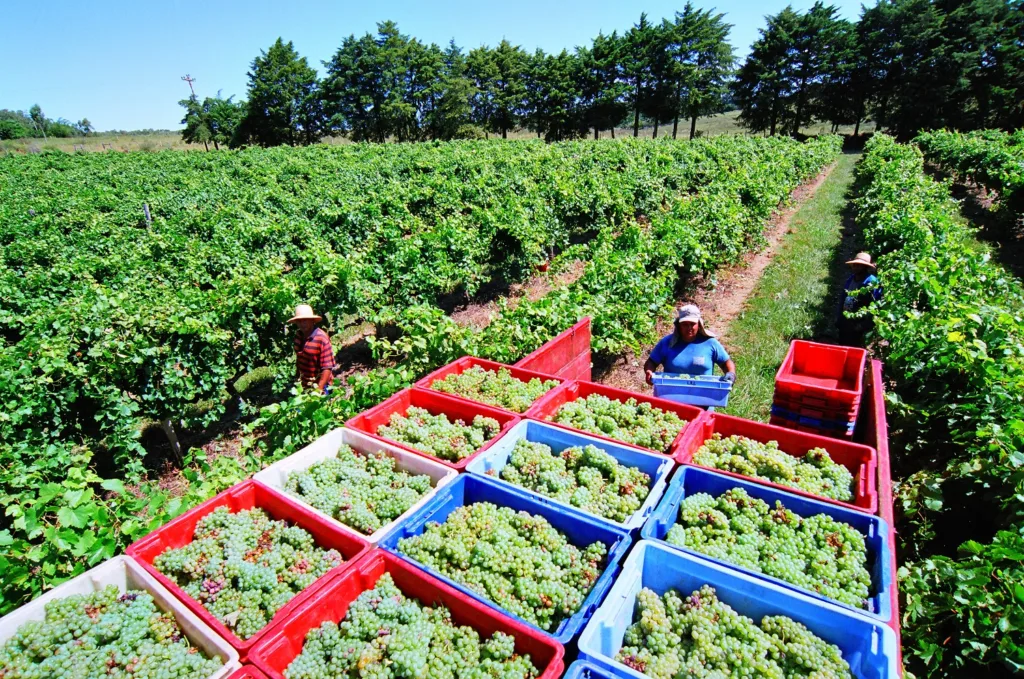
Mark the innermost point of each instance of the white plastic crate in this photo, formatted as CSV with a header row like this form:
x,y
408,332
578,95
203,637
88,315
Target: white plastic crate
x,y
325,447
125,574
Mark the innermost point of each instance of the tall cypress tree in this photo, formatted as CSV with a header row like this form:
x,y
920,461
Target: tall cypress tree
x,y
285,105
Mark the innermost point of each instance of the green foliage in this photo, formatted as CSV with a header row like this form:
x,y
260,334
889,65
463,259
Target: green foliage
x,y
285,104
992,158
214,120
953,344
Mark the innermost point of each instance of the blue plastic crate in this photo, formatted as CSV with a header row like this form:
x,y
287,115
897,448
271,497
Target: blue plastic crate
x,y
658,467
829,425
579,528
691,480
696,390
869,646
585,670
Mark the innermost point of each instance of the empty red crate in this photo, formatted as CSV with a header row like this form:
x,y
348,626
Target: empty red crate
x,y
246,495
278,649
247,672
549,405
839,435
832,373
435,403
860,460
466,362
816,410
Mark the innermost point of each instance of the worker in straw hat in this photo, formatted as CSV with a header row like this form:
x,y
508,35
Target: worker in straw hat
x,y
861,288
314,355
691,349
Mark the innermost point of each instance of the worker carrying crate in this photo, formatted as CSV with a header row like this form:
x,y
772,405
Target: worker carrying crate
x,y
689,356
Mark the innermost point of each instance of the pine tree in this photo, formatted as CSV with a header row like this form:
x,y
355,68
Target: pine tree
x,y
285,105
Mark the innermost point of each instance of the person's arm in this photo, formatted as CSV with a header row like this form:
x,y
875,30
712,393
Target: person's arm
x,y
649,367
326,363
730,370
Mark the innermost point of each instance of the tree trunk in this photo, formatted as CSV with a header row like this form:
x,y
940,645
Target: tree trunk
x,y
856,128
504,133
655,128
693,126
636,116
206,146
675,125
595,132
613,132
215,146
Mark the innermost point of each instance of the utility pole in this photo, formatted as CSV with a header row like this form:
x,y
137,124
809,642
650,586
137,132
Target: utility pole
x,y
189,79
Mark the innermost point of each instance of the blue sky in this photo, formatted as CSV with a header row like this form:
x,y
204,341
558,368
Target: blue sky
x,y
119,62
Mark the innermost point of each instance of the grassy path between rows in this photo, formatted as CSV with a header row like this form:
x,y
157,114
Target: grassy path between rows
x,y
797,295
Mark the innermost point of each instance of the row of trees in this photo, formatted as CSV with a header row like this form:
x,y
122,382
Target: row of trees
x,y
393,86
909,65
22,125
906,64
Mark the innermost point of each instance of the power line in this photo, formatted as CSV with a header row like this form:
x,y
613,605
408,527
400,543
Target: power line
x,y
189,79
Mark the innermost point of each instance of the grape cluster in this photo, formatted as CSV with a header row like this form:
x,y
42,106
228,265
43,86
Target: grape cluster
x,y
244,567
699,636
815,472
633,422
386,634
516,559
439,436
498,389
817,552
588,478
101,635
362,491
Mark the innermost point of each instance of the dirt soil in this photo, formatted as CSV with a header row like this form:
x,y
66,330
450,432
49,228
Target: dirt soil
x,y
722,302
480,313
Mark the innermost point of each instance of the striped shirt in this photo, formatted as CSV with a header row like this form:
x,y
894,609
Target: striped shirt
x,y
313,354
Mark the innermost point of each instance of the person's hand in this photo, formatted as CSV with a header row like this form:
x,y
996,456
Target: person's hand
x,y
730,377
649,375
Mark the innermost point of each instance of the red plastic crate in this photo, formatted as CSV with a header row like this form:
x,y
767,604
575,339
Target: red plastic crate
x,y
825,371
247,672
466,362
550,403
278,649
817,431
860,460
246,495
435,403
816,410
567,355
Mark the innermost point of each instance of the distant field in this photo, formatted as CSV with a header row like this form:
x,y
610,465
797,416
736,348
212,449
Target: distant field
x,y
725,123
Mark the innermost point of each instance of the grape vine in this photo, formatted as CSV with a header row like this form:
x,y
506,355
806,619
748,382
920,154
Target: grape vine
x,y
386,634
516,559
584,477
101,635
244,567
439,436
815,472
816,552
497,389
700,636
362,491
630,421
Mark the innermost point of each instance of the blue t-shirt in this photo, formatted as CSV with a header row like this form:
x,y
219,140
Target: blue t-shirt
x,y
853,301
695,358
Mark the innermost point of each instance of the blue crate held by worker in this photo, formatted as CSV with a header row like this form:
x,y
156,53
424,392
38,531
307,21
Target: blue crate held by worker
x,y
657,467
580,529
868,646
689,481
696,390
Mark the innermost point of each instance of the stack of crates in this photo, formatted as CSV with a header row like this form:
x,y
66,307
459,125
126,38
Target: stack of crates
x,y
818,389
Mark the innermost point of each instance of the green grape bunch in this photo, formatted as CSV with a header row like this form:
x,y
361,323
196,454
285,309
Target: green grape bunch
x,y
386,634
584,477
495,388
100,635
244,567
439,436
516,559
815,472
697,635
630,421
364,492
816,553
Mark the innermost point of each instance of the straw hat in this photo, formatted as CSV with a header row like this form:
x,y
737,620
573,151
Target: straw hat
x,y
863,259
304,312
